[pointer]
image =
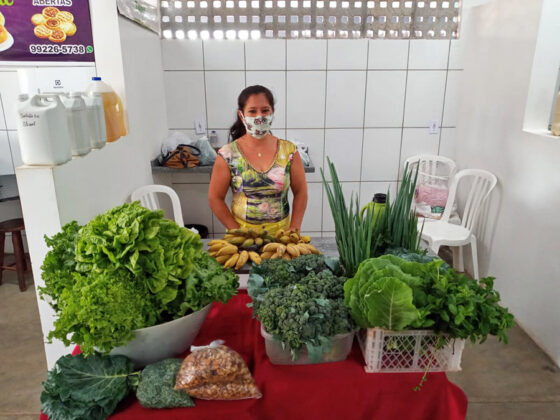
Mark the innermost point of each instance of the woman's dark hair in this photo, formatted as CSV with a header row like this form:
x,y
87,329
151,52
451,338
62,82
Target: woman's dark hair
x,y
238,128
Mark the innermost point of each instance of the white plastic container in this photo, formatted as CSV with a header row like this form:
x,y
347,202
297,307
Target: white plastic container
x,y
115,115
96,120
77,123
409,351
43,133
281,355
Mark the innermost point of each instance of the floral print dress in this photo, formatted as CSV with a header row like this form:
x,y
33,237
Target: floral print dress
x,y
260,197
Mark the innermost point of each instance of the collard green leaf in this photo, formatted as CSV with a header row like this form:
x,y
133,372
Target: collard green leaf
x,y
389,303
79,387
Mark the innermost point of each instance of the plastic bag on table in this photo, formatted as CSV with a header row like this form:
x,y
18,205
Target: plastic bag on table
x,y
303,153
206,155
431,195
216,372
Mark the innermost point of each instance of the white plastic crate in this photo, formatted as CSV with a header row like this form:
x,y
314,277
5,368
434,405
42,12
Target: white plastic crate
x,y
409,351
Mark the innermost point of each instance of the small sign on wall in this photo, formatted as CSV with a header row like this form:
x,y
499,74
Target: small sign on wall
x,y
45,31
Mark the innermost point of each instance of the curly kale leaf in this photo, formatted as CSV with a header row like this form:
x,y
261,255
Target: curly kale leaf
x,y
156,387
298,315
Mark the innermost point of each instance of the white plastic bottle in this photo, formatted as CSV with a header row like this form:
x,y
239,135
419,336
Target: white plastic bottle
x,y
77,123
96,119
43,134
115,115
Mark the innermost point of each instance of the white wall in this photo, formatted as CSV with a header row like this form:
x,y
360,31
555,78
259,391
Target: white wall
x,y
88,185
365,104
521,241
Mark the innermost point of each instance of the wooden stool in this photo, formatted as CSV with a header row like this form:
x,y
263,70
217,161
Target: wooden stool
x,y
14,226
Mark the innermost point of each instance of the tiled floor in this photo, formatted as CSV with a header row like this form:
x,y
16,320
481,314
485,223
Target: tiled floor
x,y
510,382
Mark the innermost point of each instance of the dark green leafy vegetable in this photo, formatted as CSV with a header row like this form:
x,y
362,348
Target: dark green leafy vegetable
x,y
298,316
86,388
156,387
131,269
208,282
446,301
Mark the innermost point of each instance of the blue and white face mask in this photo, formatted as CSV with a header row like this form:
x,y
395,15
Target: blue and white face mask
x,y
258,127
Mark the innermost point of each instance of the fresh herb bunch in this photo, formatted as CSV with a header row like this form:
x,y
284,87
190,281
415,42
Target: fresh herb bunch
x,y
298,316
126,269
396,294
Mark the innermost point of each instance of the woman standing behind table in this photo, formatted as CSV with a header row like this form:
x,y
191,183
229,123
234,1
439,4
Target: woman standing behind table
x,y
260,168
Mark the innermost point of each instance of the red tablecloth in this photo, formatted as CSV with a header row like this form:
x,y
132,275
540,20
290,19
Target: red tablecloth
x,y
340,390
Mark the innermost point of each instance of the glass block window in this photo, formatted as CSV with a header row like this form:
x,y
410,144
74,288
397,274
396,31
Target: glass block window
x,y
253,19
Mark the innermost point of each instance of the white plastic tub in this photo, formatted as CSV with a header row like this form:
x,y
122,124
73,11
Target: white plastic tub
x,y
341,346
159,342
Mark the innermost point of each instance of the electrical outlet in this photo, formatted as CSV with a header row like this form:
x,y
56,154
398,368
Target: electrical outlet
x,y
434,127
199,126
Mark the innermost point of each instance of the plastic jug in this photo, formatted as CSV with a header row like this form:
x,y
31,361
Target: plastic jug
x,y
78,124
96,119
556,119
115,116
43,133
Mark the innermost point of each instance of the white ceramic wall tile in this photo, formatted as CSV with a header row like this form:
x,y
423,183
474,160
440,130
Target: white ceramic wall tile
x,y
14,146
9,89
417,141
348,189
222,90
385,98
347,54
306,54
428,54
265,54
447,145
194,203
315,140
305,99
388,54
6,164
344,148
2,121
312,221
184,93
452,95
456,54
369,189
182,54
276,82
345,98
224,55
380,159
424,97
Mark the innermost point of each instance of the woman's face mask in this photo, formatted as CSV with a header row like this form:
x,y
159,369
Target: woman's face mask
x,y
258,127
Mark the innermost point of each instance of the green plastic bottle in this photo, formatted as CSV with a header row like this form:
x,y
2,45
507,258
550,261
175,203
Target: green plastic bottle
x,y
377,204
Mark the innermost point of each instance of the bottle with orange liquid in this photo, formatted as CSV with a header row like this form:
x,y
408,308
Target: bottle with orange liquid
x,y
115,115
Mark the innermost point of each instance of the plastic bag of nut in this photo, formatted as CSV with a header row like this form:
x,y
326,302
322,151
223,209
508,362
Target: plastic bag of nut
x,y
216,372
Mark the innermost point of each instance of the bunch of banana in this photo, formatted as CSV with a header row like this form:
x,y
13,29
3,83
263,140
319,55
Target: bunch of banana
x,y
291,238
248,239
288,251
229,255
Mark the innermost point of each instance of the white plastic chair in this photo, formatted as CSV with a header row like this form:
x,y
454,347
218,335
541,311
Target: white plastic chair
x,y
441,232
148,199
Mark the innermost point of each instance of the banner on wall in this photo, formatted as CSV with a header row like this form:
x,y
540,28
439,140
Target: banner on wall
x,y
45,30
